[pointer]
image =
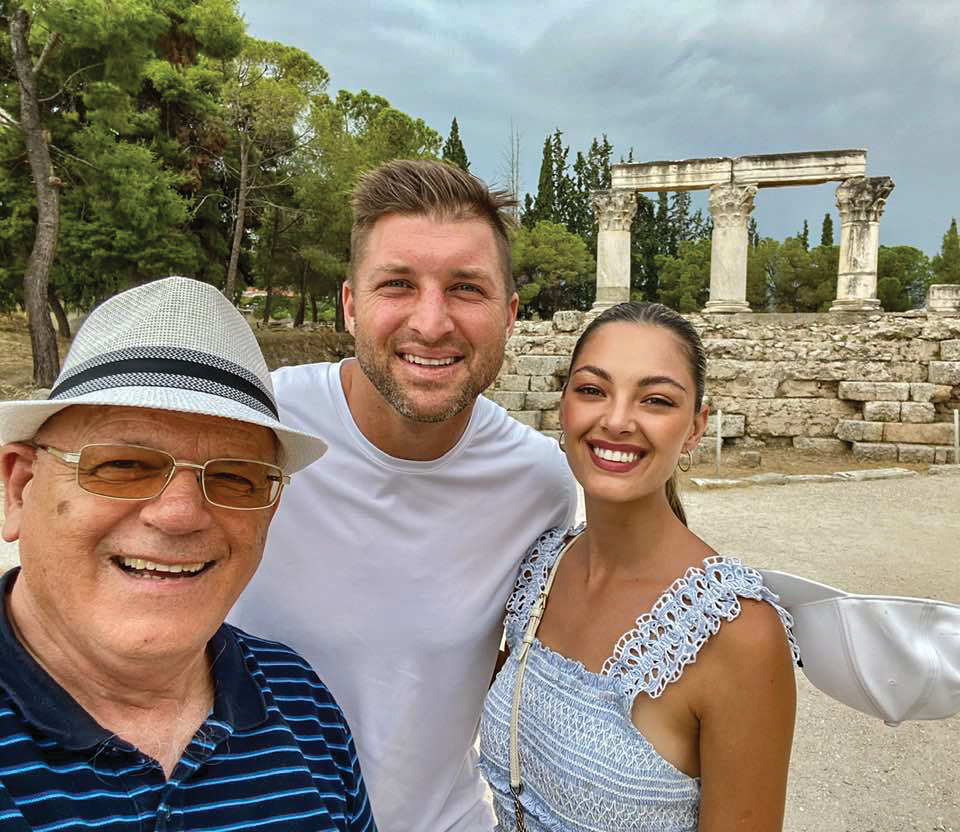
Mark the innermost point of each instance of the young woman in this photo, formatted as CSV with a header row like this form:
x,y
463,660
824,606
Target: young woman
x,y
655,690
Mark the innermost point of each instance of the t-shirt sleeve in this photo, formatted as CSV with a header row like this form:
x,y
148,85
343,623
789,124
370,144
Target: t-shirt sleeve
x,y
568,486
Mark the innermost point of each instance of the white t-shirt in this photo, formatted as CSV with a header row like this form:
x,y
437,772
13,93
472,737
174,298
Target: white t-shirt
x,y
390,576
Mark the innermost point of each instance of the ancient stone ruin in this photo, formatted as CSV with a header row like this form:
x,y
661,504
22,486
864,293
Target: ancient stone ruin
x,y
733,185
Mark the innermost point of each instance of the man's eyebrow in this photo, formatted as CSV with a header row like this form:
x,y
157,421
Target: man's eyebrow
x,y
475,273
392,268
646,381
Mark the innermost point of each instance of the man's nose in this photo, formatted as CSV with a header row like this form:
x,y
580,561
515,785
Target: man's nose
x,y
430,316
181,507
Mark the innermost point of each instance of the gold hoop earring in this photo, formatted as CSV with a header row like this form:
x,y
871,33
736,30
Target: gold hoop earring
x,y
560,440
689,461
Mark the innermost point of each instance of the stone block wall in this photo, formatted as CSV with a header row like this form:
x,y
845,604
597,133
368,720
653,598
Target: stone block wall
x,y
883,386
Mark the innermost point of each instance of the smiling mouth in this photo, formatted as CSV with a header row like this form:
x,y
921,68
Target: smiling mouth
x,y
420,361
140,568
608,455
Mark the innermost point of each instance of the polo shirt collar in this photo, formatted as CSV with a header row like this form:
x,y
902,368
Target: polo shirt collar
x,y
238,700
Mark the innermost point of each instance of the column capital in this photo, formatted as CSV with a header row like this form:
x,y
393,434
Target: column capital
x,y
614,209
863,198
731,203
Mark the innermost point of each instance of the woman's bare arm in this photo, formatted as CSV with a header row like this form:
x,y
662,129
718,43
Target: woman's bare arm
x,y
746,724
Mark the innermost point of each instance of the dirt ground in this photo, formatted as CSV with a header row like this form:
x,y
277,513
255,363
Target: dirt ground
x,y
851,773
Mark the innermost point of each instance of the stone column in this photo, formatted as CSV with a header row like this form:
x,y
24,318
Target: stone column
x,y
614,210
730,208
861,201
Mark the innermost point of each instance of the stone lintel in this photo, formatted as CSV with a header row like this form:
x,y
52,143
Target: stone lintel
x,y
766,171
682,175
784,169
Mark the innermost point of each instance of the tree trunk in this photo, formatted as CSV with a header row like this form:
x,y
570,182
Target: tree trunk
x,y
302,305
43,340
339,324
63,325
313,307
268,301
230,289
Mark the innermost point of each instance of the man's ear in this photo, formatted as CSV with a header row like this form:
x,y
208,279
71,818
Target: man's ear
x,y
514,306
16,468
348,312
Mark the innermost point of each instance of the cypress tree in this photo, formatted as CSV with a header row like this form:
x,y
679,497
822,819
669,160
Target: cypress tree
x,y
946,265
453,150
545,203
826,230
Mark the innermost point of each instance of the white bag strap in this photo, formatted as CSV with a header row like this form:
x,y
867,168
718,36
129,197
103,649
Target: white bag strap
x,y
516,786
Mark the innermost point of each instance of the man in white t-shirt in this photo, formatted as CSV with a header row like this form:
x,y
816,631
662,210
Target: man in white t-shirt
x,y
388,564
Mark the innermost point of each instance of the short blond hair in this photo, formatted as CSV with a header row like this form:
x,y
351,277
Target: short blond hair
x,y
432,189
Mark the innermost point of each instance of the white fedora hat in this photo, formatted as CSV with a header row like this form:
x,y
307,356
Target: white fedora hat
x,y
889,657
174,344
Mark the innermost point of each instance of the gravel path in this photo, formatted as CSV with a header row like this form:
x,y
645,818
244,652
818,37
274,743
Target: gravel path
x,y
850,773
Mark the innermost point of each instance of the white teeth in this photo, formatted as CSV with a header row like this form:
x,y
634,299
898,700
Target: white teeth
x,y
428,362
614,456
137,563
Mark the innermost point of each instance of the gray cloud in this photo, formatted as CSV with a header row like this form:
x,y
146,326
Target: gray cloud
x,y
685,80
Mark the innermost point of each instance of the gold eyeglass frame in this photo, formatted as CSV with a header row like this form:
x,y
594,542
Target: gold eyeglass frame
x,y
73,458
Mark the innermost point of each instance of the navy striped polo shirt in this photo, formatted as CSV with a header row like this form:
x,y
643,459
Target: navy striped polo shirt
x,y
275,754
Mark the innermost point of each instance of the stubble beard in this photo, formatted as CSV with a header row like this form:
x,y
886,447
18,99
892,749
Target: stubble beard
x,y
375,364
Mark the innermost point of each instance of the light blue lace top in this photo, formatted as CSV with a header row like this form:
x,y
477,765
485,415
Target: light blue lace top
x,y
584,764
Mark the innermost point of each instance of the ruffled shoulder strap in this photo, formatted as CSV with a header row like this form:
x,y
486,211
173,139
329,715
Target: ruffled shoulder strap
x,y
668,638
532,579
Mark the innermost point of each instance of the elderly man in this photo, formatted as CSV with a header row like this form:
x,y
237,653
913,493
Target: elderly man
x,y
397,554
141,493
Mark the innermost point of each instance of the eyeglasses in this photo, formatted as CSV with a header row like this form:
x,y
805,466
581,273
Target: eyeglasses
x,y
132,472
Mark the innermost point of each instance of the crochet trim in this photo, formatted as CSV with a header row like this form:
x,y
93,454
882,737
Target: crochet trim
x,y
666,639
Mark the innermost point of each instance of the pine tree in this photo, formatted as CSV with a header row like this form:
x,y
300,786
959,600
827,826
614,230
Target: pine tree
x,y
946,265
826,231
453,150
804,236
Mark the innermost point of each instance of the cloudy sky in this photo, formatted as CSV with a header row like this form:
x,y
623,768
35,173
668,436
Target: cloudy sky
x,y
677,80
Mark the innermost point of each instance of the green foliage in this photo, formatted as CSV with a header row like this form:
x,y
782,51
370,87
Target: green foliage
x,y
590,173
553,269
804,281
946,265
685,277
453,150
903,277
120,221
543,206
645,245
762,263
804,236
826,230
